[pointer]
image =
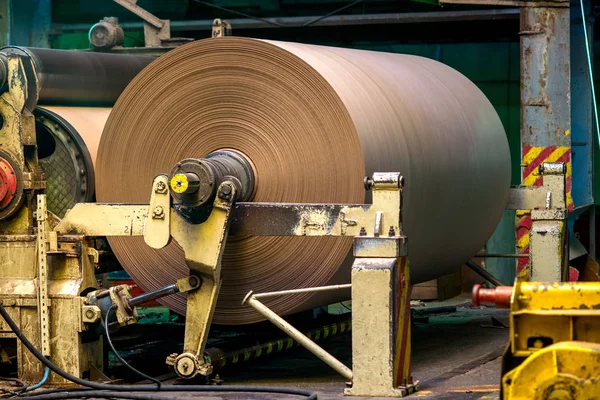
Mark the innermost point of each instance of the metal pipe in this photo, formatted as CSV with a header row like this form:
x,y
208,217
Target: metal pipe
x,y
500,255
303,290
157,294
483,273
337,20
499,296
298,336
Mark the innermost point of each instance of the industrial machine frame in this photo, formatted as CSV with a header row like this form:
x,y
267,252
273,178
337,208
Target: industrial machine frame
x,y
50,288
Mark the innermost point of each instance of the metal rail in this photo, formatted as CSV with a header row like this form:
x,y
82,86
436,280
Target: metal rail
x,y
334,20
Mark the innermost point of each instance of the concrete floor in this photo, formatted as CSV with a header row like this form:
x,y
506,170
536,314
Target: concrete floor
x,y
455,356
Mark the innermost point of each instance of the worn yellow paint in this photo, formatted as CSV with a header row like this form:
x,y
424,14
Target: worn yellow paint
x,y
556,312
565,370
523,242
555,155
531,155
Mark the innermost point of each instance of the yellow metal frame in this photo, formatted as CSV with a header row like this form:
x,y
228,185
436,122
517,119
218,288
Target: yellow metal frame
x,y
379,248
563,371
543,314
42,274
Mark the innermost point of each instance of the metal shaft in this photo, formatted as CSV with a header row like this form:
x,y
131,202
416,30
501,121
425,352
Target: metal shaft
x,y
157,294
300,338
500,255
194,181
79,77
303,290
483,273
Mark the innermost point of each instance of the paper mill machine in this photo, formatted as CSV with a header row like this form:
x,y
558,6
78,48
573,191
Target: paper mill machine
x,y
251,155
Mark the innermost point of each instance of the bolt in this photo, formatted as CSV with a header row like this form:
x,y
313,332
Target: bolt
x,y
363,231
158,213
89,314
368,182
193,281
391,232
225,192
161,187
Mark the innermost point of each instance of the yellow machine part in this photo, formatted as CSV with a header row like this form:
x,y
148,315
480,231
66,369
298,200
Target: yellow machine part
x,y
548,313
563,371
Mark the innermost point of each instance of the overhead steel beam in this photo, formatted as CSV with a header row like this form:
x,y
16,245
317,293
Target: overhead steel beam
x,y
334,20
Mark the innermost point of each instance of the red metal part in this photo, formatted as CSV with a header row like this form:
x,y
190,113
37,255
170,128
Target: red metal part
x,y
573,274
8,183
499,296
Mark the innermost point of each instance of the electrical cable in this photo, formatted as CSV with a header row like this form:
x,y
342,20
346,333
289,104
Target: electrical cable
x,y
37,385
111,389
15,380
121,359
331,13
591,70
266,21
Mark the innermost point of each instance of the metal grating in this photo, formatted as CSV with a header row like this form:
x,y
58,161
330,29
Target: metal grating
x,y
61,180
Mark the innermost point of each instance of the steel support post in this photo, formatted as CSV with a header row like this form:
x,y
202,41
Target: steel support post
x,y
545,104
381,328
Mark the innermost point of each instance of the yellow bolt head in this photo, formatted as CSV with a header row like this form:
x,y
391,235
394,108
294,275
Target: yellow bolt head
x,y
179,183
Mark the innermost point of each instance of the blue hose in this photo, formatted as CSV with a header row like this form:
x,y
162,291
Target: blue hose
x,y
37,385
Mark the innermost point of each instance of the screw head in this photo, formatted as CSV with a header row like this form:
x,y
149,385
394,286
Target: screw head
x,y
89,314
225,192
161,187
158,212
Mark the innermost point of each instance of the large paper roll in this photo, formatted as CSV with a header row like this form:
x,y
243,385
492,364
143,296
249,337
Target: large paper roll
x,y
313,120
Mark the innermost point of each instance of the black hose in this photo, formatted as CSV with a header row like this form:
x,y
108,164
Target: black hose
x,y
112,346
95,393
309,395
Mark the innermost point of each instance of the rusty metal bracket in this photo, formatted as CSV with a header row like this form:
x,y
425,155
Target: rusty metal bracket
x,y
155,30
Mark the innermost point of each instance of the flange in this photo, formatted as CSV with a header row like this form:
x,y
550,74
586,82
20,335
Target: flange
x,y
11,185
